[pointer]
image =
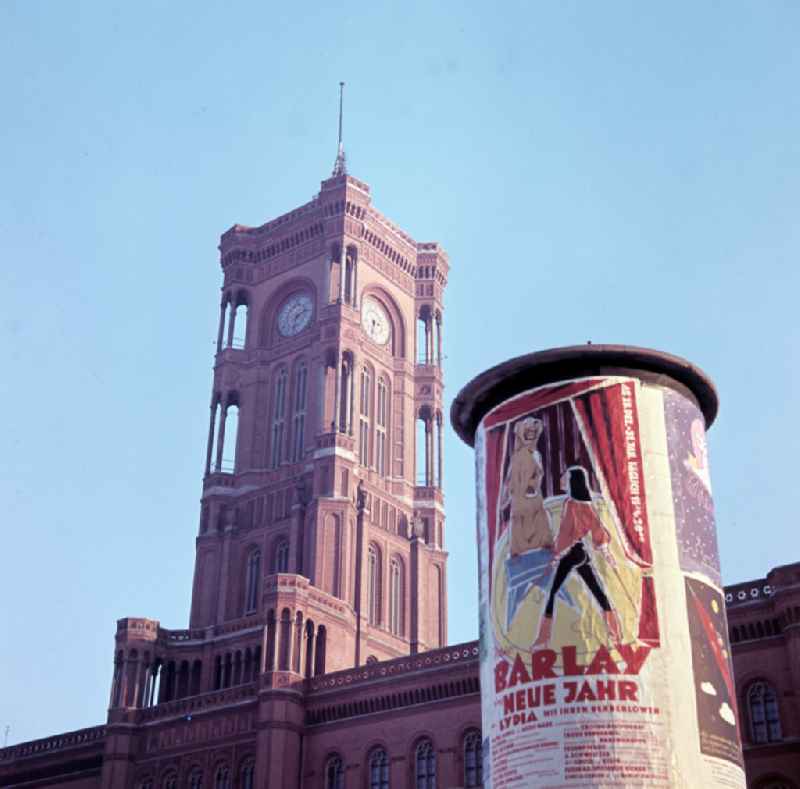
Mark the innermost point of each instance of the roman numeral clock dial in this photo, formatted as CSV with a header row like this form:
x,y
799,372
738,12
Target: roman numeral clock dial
x,y
295,314
375,322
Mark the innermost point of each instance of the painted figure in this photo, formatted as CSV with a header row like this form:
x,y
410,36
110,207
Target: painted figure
x,y
579,523
522,490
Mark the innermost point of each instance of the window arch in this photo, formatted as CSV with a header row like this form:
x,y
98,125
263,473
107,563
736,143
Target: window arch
x,y
473,758
763,712
397,597
374,584
381,427
252,580
378,769
196,779
334,772
222,777
425,765
281,561
170,781
278,418
247,780
299,411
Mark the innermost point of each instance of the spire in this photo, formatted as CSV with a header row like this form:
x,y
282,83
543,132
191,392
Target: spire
x,y
340,166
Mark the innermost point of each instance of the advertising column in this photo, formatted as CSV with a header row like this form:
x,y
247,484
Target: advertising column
x,y
604,650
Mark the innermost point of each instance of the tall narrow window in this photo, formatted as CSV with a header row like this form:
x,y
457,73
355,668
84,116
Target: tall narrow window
x,y
222,778
334,773
396,596
473,759
762,706
379,769
364,431
196,779
229,438
374,585
425,765
281,563
299,418
252,579
170,782
248,776
278,418
381,421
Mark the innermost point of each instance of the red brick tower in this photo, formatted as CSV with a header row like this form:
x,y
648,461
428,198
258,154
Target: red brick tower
x,y
320,544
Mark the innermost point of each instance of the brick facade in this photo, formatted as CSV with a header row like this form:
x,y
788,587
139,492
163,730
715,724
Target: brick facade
x,y
315,654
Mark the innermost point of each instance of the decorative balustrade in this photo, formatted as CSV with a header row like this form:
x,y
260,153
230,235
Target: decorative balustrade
x,y
460,654
194,704
58,742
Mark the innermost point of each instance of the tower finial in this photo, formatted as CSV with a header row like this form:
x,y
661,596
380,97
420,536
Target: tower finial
x,y
340,166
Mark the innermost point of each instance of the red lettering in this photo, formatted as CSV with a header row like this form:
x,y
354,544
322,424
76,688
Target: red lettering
x,y
519,699
606,690
571,666
586,693
508,704
519,673
634,657
543,661
549,694
500,674
628,690
571,687
602,663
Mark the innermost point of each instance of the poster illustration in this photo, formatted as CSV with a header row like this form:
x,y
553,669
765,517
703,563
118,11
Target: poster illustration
x,y
569,614
712,671
691,487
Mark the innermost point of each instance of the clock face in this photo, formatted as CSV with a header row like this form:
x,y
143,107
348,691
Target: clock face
x,y
375,322
295,314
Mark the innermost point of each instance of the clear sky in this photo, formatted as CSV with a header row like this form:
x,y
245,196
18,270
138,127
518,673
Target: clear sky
x,y
614,172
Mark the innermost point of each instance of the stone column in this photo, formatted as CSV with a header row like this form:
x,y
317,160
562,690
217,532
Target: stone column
x,y
222,308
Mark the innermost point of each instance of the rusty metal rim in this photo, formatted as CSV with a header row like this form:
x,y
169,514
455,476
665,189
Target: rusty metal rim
x,y
514,376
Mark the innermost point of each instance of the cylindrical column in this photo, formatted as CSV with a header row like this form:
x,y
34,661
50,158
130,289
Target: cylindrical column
x,y
428,451
604,646
337,393
439,340
439,451
210,447
231,324
222,308
352,398
221,436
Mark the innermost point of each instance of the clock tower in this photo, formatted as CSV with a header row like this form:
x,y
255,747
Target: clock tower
x,y
322,511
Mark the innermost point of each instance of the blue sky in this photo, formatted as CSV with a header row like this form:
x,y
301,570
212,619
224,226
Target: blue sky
x,y
617,172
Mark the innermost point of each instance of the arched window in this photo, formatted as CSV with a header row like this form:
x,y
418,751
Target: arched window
x,y
364,422
252,579
196,779
299,418
281,563
396,596
381,423
378,769
425,765
222,778
374,585
227,437
334,773
248,775
762,708
170,782
146,784
278,418
473,759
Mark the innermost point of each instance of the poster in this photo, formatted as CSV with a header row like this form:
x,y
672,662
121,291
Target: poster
x,y
691,487
594,498
570,625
